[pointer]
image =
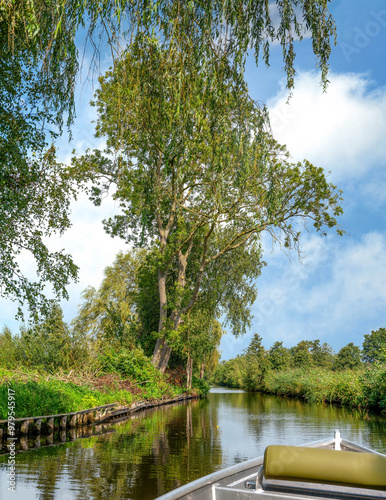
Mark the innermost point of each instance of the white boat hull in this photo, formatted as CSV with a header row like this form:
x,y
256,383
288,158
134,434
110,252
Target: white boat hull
x,y
240,482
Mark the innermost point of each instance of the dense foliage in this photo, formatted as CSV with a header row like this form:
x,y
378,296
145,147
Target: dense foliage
x,y
311,371
197,173
39,62
99,359
34,193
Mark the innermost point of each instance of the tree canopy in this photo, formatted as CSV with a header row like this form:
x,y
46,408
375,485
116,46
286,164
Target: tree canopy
x,y
349,357
34,194
195,169
39,64
374,346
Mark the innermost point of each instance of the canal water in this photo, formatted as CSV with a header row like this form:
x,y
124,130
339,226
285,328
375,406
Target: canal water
x,y
157,450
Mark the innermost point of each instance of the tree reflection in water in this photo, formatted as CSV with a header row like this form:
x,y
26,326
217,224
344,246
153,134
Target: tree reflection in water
x,y
160,449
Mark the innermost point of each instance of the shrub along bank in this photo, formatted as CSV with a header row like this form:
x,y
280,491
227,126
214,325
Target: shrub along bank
x,y
311,371
123,377
361,388
54,369
364,388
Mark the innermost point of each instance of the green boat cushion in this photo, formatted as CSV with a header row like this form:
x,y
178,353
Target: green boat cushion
x,y
348,468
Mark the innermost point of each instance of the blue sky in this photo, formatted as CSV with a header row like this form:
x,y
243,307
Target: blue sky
x,y
337,293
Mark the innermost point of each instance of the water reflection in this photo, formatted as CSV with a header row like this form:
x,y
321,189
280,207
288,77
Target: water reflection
x,y
160,449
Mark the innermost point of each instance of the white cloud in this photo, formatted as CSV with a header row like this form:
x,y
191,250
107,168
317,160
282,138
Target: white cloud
x,y
342,130
357,288
337,295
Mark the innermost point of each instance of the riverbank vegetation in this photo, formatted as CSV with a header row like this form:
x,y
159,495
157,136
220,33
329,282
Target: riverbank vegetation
x,y
58,368
312,371
195,171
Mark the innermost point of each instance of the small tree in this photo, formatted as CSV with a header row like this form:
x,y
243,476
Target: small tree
x,y
256,364
50,343
374,346
201,339
279,357
349,357
109,313
301,355
322,355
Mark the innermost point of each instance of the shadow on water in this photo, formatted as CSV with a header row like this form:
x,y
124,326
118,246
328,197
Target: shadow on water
x,y
157,450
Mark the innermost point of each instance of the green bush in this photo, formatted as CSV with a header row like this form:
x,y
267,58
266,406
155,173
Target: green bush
x,y
201,385
316,385
373,382
134,365
48,344
131,364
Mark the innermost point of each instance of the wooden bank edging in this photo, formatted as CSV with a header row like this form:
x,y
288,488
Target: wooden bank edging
x,y
143,405
91,416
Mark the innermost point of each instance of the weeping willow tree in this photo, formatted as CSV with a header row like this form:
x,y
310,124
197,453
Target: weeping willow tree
x,y
195,168
39,64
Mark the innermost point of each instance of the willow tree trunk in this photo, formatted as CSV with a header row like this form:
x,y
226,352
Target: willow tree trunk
x,y
162,351
202,369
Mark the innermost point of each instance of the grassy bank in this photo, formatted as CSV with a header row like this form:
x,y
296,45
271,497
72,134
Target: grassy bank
x,y
123,378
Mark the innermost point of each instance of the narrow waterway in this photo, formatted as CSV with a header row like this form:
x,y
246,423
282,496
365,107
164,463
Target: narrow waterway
x,y
160,449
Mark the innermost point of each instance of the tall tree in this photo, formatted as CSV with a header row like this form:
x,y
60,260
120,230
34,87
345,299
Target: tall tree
x,y
195,168
39,63
279,356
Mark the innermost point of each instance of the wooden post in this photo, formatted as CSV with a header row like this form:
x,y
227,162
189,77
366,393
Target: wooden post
x,y
38,425
73,421
90,417
72,434
1,433
37,441
50,425
24,427
63,423
50,438
63,436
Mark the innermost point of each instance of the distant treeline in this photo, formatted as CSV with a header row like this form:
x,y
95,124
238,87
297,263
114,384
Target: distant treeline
x,y
312,371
